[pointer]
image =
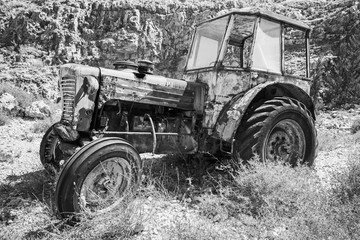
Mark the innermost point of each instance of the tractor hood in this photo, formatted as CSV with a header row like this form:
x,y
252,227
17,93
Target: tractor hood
x,y
129,85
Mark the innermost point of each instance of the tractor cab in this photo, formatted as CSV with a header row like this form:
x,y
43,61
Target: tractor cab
x,y
251,39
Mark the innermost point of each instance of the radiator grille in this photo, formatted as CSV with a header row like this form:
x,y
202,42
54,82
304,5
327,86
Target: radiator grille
x,y
68,89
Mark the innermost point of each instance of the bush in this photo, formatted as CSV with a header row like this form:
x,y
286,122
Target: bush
x,y
355,127
336,76
4,118
24,99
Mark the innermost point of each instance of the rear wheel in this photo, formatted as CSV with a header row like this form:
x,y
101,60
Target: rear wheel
x,y
98,177
281,129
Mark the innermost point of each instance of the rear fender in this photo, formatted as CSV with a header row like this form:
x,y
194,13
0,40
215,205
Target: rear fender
x,y
233,112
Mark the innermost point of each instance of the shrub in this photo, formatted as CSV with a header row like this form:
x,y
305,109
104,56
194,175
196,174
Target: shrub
x,y
355,127
346,183
24,99
336,76
4,118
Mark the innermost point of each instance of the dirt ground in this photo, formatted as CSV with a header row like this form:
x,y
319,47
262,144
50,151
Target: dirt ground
x,y
26,191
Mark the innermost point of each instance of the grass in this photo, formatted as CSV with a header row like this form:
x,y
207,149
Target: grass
x,y
201,198
41,126
261,201
5,156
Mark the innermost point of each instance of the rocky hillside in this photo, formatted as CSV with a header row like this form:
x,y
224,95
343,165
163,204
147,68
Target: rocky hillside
x,y
37,33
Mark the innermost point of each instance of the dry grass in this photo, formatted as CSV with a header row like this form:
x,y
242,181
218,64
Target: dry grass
x,y
202,198
221,201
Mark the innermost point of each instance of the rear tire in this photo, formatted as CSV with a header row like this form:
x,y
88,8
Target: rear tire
x,y
97,177
281,129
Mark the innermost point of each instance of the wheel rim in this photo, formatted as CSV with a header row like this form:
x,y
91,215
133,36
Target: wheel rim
x,y
285,142
104,187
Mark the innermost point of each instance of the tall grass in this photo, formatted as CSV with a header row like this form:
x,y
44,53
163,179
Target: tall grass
x,y
228,201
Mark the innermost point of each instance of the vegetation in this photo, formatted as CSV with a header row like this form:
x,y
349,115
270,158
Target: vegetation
x,y
262,201
208,198
22,97
337,74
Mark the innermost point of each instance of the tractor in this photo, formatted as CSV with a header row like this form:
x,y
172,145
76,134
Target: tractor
x,y
245,92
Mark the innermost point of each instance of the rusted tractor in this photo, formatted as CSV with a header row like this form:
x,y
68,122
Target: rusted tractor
x,y
240,96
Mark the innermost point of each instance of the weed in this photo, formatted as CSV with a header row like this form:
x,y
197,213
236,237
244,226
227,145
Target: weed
x,y
346,183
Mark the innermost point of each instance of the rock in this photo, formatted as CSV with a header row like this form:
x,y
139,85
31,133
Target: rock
x,y
8,103
38,109
36,62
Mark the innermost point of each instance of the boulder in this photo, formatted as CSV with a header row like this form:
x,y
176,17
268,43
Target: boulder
x,y
8,103
38,109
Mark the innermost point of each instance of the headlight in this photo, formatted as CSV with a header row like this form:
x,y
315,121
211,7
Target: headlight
x,y
91,85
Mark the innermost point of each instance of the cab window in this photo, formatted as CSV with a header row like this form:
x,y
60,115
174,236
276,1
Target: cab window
x,y
294,52
267,49
207,43
240,40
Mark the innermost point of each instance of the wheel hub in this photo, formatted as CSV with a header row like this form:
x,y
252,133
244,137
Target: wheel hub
x,y
105,184
285,142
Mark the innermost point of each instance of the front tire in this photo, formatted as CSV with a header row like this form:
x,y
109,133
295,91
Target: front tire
x,y
98,177
49,150
281,129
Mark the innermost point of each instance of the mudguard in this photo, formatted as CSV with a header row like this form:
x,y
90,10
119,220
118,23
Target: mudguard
x,y
233,112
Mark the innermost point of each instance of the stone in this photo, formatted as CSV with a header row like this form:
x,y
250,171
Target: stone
x,y
36,62
38,109
8,103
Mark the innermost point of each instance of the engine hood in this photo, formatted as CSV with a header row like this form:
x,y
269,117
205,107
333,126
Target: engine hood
x,y
129,85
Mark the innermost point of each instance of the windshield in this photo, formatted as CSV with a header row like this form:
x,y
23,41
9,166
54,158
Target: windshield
x,y
207,43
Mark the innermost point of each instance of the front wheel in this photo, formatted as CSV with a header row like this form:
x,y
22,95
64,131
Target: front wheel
x,y
49,151
281,129
98,177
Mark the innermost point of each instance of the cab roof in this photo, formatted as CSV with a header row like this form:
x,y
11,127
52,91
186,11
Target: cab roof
x,y
267,15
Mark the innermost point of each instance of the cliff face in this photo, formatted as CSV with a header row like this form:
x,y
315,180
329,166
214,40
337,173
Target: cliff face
x,y
39,32
98,33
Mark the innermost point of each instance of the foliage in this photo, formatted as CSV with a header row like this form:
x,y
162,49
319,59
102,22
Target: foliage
x,y
337,77
24,98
